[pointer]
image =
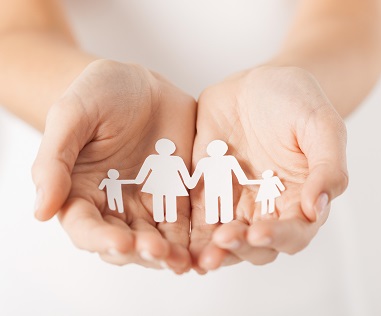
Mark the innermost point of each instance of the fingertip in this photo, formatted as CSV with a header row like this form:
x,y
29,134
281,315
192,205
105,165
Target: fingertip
x,y
123,244
43,216
260,235
179,259
212,258
108,239
325,182
199,270
230,236
314,200
151,247
321,204
41,212
53,184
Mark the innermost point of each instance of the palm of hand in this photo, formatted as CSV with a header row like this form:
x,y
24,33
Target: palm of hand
x,y
270,119
122,111
267,122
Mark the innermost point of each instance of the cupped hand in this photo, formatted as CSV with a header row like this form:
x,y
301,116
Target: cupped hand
x,y
274,118
110,117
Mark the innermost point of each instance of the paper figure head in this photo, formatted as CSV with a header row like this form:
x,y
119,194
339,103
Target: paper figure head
x,y
267,174
217,148
113,174
165,147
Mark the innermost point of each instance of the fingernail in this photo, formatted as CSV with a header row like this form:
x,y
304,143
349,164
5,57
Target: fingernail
x,y
38,201
233,245
207,263
260,240
114,252
163,264
146,255
321,203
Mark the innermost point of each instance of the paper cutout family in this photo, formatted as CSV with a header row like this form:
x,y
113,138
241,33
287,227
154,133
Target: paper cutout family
x,y
162,173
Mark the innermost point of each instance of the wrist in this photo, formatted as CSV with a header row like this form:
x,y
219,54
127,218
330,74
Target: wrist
x,y
37,67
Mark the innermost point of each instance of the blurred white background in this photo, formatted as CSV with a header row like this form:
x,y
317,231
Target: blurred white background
x,y
193,44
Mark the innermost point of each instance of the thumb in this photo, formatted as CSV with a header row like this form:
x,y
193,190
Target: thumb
x,y
66,132
324,144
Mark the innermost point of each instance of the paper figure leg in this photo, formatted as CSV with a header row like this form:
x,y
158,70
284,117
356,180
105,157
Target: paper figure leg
x,y
271,206
158,208
211,209
119,204
226,208
170,208
111,203
264,207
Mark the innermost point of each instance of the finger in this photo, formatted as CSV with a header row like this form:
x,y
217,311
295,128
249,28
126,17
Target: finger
x,y
149,243
66,132
89,231
115,257
289,235
179,259
177,234
151,249
205,254
211,257
119,259
324,143
232,237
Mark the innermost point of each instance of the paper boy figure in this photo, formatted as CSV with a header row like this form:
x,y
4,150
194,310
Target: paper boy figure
x,y
114,190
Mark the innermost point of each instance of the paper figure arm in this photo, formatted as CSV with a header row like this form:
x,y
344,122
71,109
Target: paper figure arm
x,y
127,181
144,170
102,185
279,184
241,176
193,180
184,172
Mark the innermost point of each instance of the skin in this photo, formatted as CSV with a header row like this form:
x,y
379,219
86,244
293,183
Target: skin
x,y
269,122
109,130
286,115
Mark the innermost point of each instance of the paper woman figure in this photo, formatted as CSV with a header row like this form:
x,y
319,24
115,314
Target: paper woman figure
x,y
269,189
114,190
164,181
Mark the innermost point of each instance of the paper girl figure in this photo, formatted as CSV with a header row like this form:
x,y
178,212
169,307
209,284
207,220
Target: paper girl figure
x,y
218,182
269,189
114,190
164,181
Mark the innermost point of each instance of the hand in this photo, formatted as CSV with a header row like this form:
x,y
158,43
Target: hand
x,y
272,118
110,117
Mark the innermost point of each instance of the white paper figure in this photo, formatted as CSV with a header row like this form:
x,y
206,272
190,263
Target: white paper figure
x,y
269,189
164,181
114,190
218,182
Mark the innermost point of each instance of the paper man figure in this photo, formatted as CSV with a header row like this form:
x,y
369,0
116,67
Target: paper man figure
x,y
164,181
114,190
269,190
217,170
